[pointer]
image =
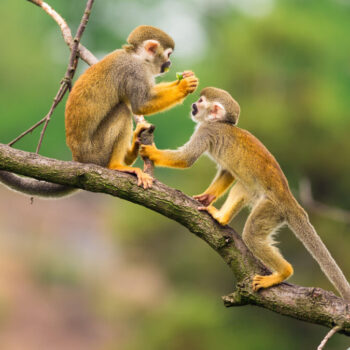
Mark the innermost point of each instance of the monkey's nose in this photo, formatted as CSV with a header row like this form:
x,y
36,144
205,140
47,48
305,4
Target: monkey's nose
x,y
165,66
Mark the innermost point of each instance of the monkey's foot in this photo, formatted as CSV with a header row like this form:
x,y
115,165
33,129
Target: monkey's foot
x,y
206,199
214,213
266,281
143,179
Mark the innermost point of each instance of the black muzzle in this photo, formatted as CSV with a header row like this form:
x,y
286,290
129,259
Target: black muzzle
x,y
194,109
165,66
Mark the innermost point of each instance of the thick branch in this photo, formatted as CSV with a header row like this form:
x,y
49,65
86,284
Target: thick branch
x,y
308,304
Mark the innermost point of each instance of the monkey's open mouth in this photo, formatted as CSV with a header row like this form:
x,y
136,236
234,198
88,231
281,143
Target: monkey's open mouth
x,y
194,109
165,66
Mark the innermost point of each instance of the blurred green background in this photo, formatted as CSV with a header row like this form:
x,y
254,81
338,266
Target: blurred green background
x,y
96,272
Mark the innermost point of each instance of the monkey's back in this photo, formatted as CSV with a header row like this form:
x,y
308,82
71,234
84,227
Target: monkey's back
x,y
95,95
248,159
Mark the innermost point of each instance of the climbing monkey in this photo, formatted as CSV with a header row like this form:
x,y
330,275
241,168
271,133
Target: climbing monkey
x,y
99,108
259,183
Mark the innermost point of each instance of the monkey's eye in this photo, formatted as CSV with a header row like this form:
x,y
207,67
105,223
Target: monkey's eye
x,y
200,100
169,53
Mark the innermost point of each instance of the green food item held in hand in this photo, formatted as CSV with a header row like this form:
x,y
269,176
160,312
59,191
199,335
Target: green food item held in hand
x,y
179,76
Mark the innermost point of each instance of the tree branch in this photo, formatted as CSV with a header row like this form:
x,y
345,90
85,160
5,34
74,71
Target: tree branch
x,y
328,336
308,304
66,83
307,199
72,65
84,53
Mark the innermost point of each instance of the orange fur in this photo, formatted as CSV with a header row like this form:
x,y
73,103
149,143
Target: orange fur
x,y
166,95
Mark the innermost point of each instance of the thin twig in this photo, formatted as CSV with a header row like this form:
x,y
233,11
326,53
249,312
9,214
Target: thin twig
x,y
84,53
58,98
72,66
27,132
306,197
328,336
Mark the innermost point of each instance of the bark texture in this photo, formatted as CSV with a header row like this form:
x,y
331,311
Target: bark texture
x,y
308,304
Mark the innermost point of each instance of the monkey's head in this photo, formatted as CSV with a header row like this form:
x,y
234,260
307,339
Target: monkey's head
x,y
215,105
153,46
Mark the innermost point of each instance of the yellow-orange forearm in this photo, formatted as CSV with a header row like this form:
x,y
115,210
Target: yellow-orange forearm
x,y
170,159
164,96
132,152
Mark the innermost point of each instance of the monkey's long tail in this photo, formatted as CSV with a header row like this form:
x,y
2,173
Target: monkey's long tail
x,y
34,187
299,223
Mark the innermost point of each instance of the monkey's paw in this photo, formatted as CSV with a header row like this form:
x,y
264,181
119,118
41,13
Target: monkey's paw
x,y
187,73
266,281
149,151
214,213
144,179
206,199
141,127
189,84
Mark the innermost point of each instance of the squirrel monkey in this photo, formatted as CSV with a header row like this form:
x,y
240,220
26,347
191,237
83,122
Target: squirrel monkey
x,y
259,183
99,108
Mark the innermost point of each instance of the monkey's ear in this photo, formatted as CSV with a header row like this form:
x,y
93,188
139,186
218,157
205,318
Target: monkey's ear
x,y
151,46
217,111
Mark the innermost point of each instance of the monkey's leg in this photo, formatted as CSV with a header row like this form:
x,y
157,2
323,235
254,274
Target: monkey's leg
x,y
114,129
220,184
111,141
261,224
236,200
164,95
116,162
133,150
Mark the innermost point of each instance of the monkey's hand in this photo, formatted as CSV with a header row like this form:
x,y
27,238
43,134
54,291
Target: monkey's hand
x,y
151,152
189,83
187,73
133,151
140,127
206,198
215,214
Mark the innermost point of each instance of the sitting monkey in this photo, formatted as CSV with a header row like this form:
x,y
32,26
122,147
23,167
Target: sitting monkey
x,y
260,183
100,106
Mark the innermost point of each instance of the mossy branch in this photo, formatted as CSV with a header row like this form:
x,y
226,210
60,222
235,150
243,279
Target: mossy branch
x,y
313,305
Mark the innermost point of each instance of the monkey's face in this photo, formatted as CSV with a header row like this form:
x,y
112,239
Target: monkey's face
x,y
158,57
205,110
